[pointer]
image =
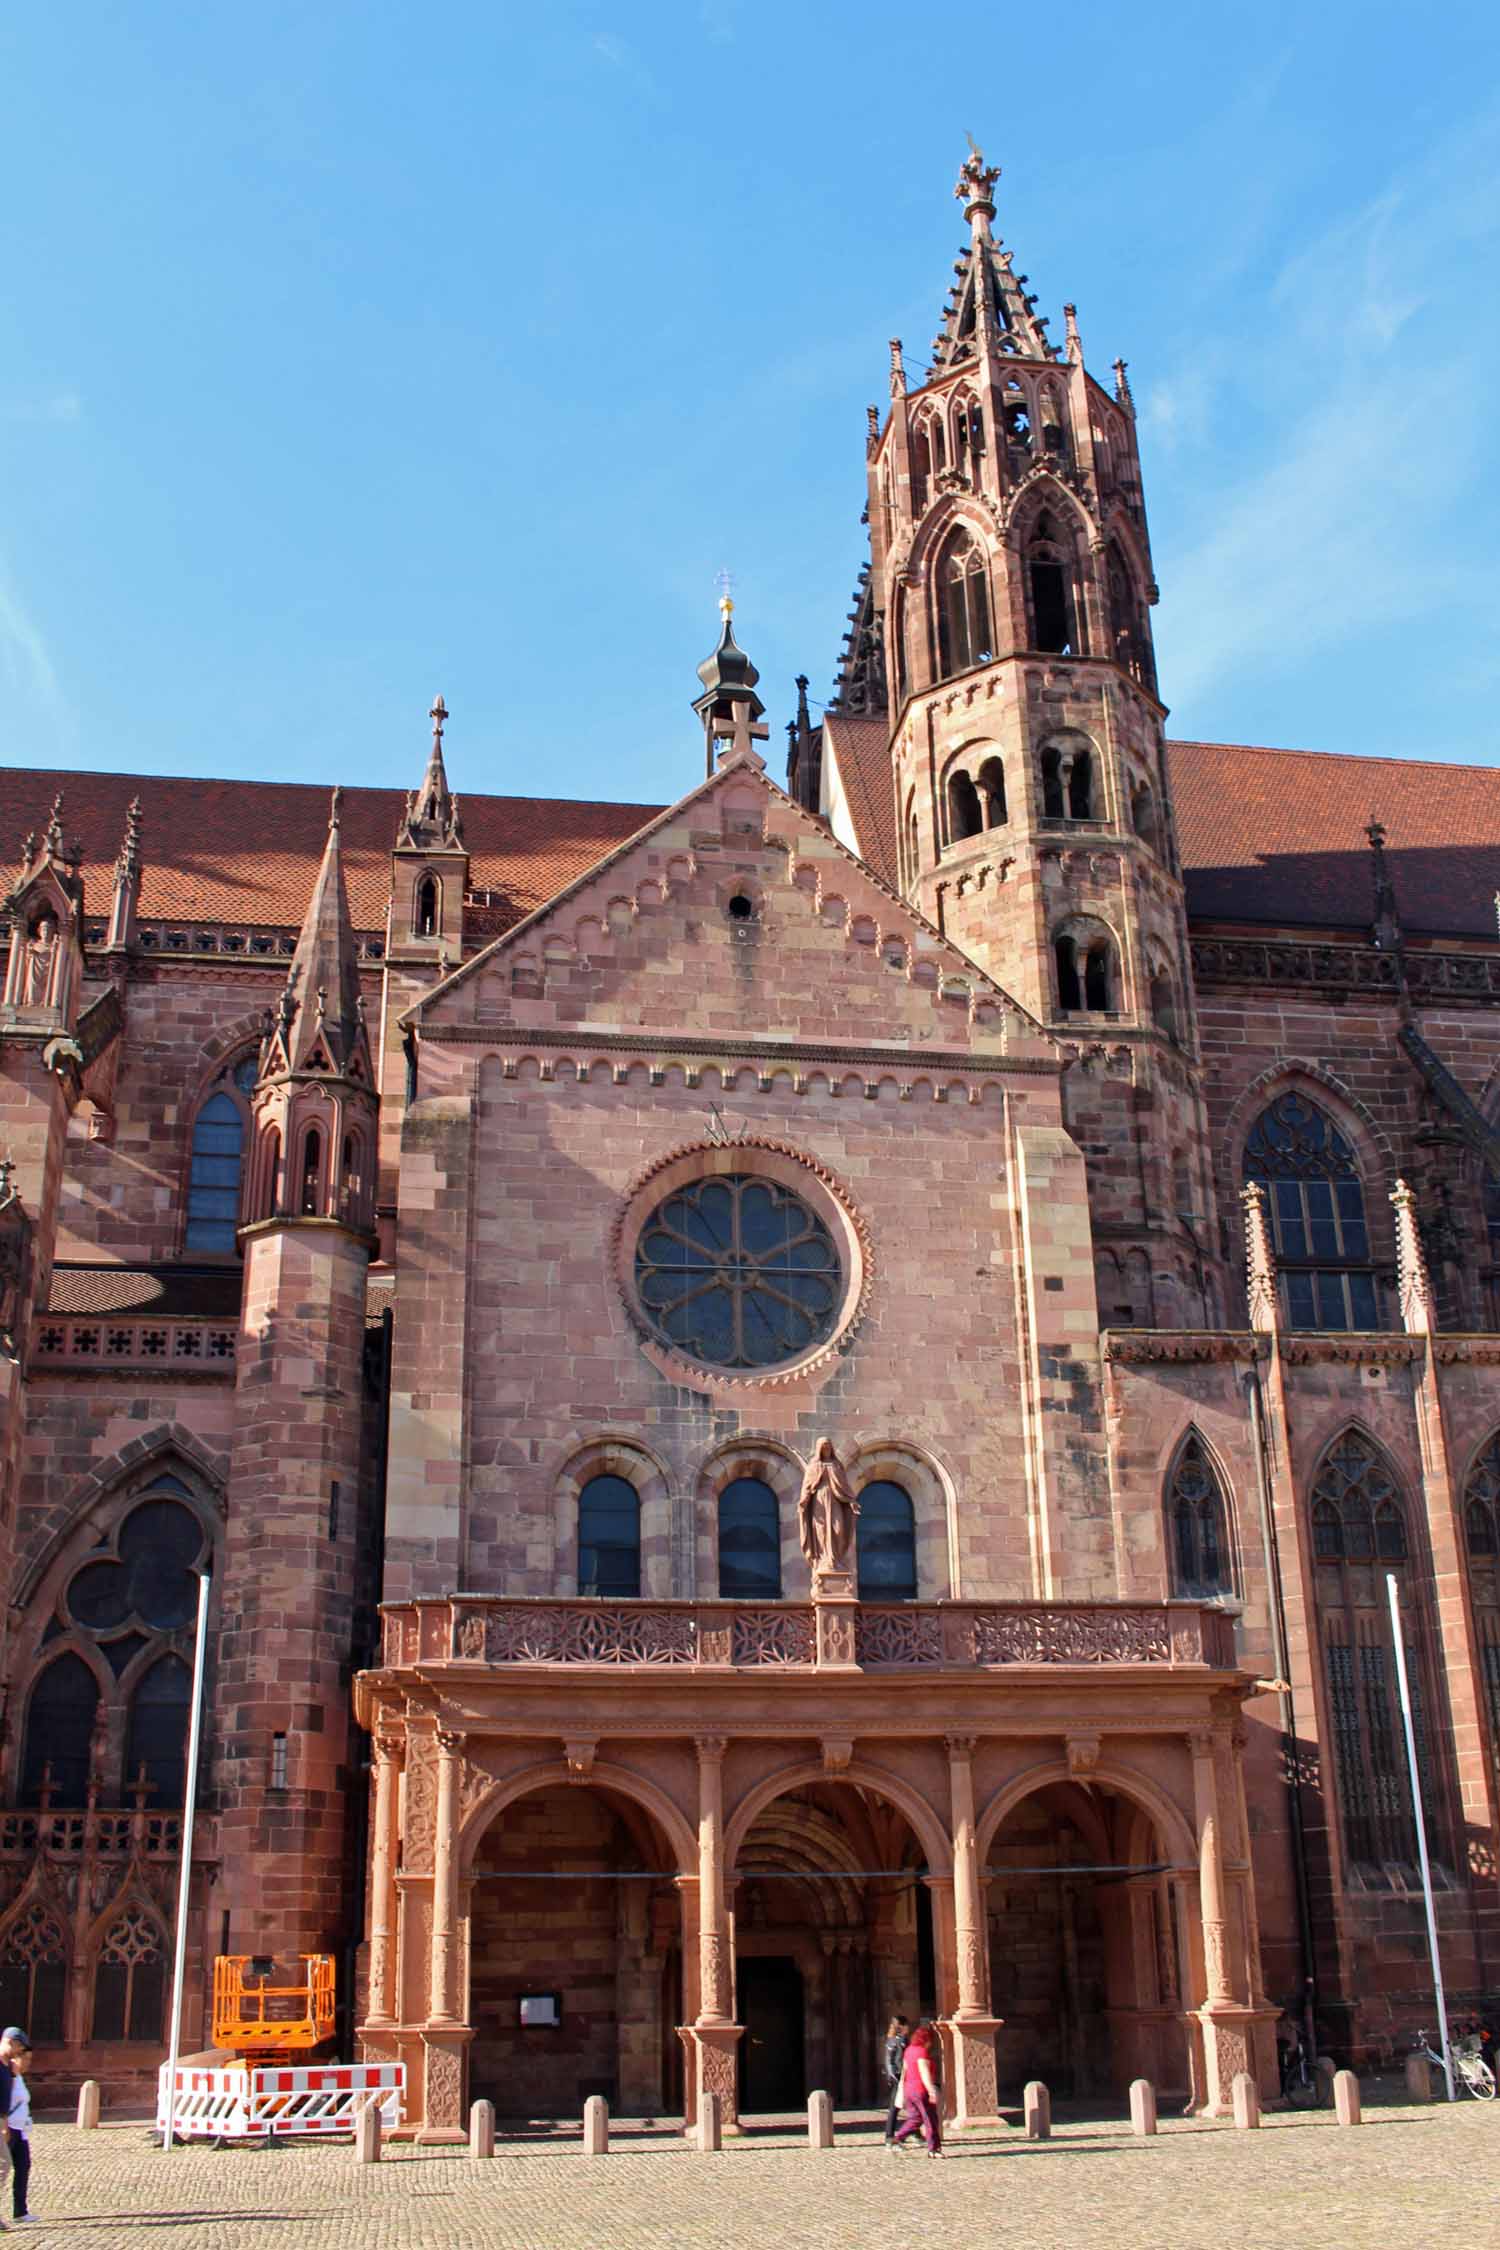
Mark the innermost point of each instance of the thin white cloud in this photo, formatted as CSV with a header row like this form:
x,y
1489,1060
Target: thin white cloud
x,y
622,57
62,406
1375,355
26,669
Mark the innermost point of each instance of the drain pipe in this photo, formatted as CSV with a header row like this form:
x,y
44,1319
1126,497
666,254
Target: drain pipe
x,y
1288,1710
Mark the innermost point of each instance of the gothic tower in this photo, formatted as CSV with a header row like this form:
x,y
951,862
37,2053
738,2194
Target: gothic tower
x,y
1011,572
289,1580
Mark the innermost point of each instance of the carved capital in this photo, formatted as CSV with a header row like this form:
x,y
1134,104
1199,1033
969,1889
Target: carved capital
x,y
960,1745
451,1741
711,1748
388,1744
579,1752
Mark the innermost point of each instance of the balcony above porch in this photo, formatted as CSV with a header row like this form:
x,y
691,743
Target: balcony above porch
x,y
477,1631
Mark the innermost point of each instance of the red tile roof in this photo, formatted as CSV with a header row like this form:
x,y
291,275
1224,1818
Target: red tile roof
x,y
861,749
248,851
1270,836
1279,836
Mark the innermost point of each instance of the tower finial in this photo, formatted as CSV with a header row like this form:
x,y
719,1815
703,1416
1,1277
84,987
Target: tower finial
x,y
335,809
975,187
439,717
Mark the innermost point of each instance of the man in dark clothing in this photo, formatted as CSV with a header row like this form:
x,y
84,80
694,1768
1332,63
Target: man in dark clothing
x,y
897,2033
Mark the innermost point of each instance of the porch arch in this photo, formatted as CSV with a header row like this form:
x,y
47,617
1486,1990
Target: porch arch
x,y
603,1775
925,1824
1172,1823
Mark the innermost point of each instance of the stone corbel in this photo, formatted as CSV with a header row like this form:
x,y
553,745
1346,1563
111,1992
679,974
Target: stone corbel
x,y
837,1752
579,1753
1083,1755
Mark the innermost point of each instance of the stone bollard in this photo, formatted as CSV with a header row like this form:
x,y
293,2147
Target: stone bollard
x,y
1418,2081
482,2129
1246,2102
1142,2106
596,2126
710,2126
1038,2105
1346,2097
88,2105
820,2121
367,2134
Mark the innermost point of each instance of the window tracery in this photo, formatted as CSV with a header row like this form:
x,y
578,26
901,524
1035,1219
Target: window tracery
x,y
130,1978
963,606
1197,1525
34,1973
1482,1544
220,1130
1317,1205
736,1271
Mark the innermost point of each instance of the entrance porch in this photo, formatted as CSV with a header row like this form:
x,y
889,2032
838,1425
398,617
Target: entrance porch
x,y
661,1850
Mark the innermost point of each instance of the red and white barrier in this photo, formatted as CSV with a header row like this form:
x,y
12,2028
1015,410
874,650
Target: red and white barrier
x,y
276,2101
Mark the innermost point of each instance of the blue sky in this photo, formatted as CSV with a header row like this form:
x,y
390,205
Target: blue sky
x,y
351,353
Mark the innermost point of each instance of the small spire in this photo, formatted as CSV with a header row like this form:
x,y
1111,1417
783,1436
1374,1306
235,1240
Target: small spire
x,y
1074,343
430,822
126,894
325,970
1122,389
729,707
1386,930
28,855
872,428
898,369
52,840
1418,1306
335,808
1260,1262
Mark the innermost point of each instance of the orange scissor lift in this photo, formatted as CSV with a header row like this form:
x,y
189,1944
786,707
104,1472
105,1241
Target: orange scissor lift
x,y
264,2012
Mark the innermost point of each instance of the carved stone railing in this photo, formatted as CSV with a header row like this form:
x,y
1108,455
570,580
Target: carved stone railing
x,y
1343,968
66,1832
946,1636
244,941
128,1341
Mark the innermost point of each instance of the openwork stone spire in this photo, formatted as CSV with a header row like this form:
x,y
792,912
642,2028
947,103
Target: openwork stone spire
x,y
987,307
125,898
1418,1306
1260,1261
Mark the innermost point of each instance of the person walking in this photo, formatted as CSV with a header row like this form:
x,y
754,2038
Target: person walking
x,y
919,2085
895,2050
15,2056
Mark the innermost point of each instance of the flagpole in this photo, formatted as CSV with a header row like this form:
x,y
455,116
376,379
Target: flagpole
x,y
1416,1806
185,1870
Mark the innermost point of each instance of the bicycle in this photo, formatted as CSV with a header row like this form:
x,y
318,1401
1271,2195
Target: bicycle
x,y
1303,2085
1469,2066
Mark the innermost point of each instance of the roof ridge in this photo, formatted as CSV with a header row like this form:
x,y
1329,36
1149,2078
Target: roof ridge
x,y
1340,757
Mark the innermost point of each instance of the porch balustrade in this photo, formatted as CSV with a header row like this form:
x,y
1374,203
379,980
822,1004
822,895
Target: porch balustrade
x,y
735,1636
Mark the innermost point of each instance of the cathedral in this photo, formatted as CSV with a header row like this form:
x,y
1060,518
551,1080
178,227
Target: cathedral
x,y
799,1404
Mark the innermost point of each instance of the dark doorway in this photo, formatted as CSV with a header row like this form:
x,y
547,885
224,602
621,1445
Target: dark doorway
x,y
772,2076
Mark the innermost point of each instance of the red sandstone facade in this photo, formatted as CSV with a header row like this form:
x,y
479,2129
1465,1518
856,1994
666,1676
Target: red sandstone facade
x,y
463,1230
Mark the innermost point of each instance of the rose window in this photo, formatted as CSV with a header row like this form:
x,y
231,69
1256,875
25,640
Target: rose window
x,y
737,1271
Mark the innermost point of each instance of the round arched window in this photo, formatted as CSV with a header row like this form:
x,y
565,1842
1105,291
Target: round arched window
x,y
737,1271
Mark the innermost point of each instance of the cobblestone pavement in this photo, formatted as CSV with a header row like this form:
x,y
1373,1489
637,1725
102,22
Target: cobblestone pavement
x,y
1405,2175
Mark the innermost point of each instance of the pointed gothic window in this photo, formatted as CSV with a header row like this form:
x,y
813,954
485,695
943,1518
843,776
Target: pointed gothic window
x,y
156,1740
130,1980
1196,1525
963,607
34,1973
749,1542
609,1539
425,918
59,1730
1016,416
310,1193
1049,591
886,1543
921,471
1482,1539
1359,1525
1127,639
1317,1204
965,813
219,1131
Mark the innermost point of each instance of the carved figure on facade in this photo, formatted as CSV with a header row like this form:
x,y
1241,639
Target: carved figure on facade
x,y
36,963
826,1512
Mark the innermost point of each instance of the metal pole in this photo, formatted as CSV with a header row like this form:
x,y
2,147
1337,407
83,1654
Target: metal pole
x,y
185,1872
1416,1806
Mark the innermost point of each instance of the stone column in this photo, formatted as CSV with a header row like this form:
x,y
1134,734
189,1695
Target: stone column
x,y
716,2034
1229,2022
382,1995
446,2033
972,2027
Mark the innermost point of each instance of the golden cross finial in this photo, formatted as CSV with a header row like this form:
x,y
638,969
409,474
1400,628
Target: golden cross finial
x,y
725,583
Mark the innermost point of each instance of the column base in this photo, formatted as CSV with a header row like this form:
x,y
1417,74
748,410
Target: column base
x,y
1235,2038
443,2083
971,2090
711,2067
